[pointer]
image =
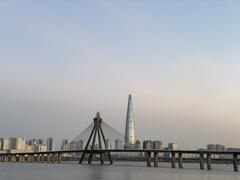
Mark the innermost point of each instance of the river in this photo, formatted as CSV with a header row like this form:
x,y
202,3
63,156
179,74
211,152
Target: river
x,y
117,171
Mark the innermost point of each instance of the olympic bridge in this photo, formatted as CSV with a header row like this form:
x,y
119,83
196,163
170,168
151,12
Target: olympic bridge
x,y
99,135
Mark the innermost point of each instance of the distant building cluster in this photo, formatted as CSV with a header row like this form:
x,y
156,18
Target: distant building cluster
x,y
215,147
118,144
16,144
73,145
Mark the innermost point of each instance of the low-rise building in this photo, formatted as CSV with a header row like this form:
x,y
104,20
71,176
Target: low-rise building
x,y
147,144
157,145
172,146
215,147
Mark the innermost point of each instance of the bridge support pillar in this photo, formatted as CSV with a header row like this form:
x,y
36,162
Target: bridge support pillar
x,y
209,166
173,160
12,158
235,162
59,158
53,158
48,158
42,158
155,159
38,158
6,158
201,161
20,158
34,158
9,158
15,158
23,158
180,160
29,158
3,158
148,159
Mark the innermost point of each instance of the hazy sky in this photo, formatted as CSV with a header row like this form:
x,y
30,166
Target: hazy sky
x,y
61,61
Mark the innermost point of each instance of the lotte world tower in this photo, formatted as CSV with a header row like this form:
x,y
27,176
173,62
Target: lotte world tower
x,y
129,128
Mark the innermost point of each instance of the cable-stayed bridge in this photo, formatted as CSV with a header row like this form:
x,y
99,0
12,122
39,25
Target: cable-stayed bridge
x,y
100,137
114,139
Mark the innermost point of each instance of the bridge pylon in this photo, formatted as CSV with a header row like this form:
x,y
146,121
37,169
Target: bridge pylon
x,y
96,131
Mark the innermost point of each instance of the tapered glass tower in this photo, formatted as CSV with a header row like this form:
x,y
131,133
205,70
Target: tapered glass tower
x,y
129,128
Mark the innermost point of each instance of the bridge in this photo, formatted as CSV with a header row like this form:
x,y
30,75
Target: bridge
x,y
97,145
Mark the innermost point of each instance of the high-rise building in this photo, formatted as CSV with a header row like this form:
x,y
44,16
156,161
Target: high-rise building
x,y
13,143
137,144
6,144
109,144
1,143
79,144
118,144
32,142
35,142
129,128
65,145
73,145
50,144
40,142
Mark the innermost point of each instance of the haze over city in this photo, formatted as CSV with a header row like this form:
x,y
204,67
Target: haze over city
x,y
61,62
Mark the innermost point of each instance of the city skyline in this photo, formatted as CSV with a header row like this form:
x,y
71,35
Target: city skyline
x,y
180,61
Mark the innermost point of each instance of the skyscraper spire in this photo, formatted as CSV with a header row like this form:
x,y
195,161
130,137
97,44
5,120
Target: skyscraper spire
x,y
129,128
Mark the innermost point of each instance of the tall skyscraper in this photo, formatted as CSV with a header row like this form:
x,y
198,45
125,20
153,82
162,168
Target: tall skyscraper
x,y
50,144
129,128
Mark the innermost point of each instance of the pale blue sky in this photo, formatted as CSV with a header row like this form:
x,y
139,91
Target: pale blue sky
x,y
61,61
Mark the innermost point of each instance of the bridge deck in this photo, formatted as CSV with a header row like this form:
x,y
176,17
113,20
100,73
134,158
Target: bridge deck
x,y
128,150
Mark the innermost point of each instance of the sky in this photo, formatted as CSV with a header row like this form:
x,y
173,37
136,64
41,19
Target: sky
x,y
62,61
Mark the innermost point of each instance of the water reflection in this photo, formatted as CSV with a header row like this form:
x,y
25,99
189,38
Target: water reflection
x,y
118,171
